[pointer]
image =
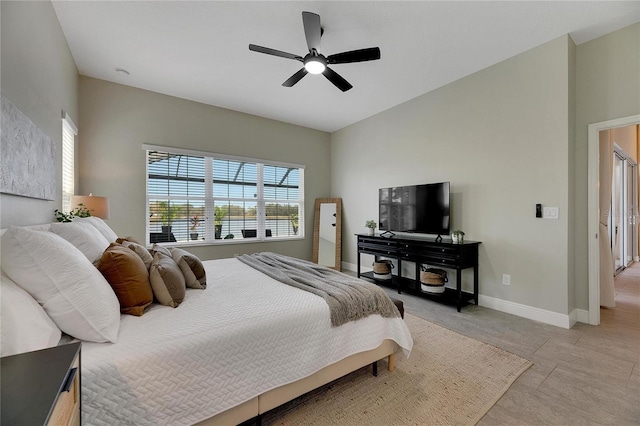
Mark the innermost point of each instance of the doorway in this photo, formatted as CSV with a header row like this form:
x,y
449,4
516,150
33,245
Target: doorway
x,y
594,211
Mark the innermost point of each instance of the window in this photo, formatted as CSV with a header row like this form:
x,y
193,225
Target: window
x,y
196,196
69,130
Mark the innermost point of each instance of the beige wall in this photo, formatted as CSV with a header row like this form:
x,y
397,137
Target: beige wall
x,y
39,77
607,87
410,142
116,120
501,137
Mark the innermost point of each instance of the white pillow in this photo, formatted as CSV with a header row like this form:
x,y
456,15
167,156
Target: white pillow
x,y
83,236
70,289
100,225
25,325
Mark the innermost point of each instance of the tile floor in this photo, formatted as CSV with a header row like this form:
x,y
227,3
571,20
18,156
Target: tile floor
x,y
587,375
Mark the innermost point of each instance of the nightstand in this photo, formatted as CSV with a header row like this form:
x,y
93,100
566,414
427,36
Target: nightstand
x,y
41,387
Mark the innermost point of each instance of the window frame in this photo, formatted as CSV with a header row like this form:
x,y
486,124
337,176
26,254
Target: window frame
x,y
210,199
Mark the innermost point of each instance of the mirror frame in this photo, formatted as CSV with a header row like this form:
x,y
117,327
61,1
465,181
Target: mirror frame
x,y
316,230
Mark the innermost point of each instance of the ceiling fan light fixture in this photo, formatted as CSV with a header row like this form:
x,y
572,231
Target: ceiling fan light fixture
x,y
315,65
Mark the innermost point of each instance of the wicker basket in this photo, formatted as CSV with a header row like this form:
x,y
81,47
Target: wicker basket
x,y
432,280
382,267
382,270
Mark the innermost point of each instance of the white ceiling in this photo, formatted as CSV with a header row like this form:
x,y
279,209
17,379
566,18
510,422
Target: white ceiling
x,y
198,50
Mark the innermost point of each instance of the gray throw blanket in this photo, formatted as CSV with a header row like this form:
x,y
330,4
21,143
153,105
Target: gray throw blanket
x,y
349,299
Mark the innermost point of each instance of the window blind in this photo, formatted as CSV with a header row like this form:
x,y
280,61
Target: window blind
x,y
192,196
69,131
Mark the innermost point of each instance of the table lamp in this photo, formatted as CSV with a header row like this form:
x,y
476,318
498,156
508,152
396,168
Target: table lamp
x,y
97,206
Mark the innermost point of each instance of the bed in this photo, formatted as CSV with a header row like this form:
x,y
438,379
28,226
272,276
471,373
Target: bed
x,y
241,347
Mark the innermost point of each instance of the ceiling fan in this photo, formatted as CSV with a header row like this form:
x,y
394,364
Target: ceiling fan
x,y
317,63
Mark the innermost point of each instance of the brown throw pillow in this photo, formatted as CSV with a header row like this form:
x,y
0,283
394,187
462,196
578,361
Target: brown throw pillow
x,y
141,251
128,277
167,281
191,267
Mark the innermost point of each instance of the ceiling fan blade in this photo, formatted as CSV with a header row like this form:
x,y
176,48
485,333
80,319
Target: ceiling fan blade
x,y
274,52
361,55
295,78
312,30
336,79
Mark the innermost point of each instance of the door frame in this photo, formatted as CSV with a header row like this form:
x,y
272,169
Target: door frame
x,y
593,208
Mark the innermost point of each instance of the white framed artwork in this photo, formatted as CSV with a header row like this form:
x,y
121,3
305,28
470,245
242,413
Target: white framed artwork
x,y
27,156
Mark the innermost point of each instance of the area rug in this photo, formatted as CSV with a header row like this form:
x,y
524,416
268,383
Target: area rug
x,y
449,379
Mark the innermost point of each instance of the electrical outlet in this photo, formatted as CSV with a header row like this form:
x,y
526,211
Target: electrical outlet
x,y
506,279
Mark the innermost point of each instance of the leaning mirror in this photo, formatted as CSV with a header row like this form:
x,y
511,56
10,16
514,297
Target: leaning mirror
x,y
327,233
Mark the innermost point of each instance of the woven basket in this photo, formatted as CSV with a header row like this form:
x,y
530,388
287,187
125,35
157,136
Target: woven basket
x,y
432,278
382,267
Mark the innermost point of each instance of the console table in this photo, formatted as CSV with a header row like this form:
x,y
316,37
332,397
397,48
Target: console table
x,y
425,251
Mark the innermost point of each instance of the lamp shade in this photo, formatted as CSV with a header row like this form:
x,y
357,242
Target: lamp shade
x,y
97,206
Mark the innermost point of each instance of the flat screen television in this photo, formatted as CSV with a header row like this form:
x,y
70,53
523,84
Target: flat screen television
x,y
418,208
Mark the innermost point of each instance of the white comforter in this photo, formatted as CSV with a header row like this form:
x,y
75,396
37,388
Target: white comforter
x,y
244,335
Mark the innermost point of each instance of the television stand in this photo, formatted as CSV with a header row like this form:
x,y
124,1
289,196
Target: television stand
x,y
388,234
427,251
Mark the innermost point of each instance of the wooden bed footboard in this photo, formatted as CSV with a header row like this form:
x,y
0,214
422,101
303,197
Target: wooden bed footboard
x,y
276,397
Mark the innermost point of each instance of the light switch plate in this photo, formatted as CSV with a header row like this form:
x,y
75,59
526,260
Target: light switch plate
x,y
550,212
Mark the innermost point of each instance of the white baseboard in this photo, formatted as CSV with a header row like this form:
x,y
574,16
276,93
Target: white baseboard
x,y
525,311
536,314
353,267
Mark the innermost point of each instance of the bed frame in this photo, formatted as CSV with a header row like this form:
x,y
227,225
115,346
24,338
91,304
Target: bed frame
x,y
269,400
